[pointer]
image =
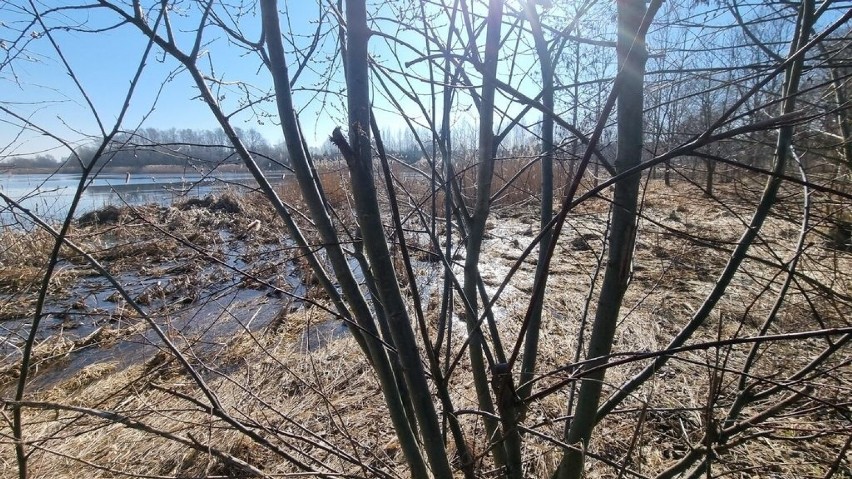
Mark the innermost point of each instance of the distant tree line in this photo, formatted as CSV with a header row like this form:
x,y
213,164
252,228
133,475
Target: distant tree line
x,y
153,147
184,147
38,161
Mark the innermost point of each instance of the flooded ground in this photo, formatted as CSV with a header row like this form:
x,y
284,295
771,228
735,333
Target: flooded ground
x,y
202,270
49,196
224,284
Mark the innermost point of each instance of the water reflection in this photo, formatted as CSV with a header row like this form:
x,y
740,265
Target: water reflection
x,y
50,196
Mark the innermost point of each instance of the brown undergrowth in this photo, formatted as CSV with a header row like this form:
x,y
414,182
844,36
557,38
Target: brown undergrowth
x,y
319,403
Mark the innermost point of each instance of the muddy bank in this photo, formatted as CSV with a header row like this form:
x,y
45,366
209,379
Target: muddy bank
x,y
201,269
217,283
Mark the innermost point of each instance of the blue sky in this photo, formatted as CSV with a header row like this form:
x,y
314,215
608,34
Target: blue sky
x,y
37,86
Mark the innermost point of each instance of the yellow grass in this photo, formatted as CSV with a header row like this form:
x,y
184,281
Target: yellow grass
x,y
325,408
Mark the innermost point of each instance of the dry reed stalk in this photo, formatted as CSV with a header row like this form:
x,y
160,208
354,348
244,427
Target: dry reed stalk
x,y
326,402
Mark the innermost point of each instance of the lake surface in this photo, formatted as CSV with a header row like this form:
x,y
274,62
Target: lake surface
x,y
50,196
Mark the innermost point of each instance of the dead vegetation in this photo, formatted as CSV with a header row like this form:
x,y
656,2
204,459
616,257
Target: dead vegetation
x,y
320,403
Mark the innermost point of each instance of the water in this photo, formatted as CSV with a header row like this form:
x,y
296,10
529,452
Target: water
x,y
209,303
50,196
188,297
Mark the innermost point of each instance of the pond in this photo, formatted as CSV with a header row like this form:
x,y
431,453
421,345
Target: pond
x,y
50,196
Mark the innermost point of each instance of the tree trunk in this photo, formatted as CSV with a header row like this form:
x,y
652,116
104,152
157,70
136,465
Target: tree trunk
x,y
632,56
371,346
476,232
843,120
532,335
711,173
767,200
358,155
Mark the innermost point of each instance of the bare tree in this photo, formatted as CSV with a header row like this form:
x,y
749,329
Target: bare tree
x,y
718,331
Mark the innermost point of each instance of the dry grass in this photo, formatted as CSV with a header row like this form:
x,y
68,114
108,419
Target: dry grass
x,y
324,406
330,393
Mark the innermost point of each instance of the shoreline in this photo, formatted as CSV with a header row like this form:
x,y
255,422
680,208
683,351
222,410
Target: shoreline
x,y
144,170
